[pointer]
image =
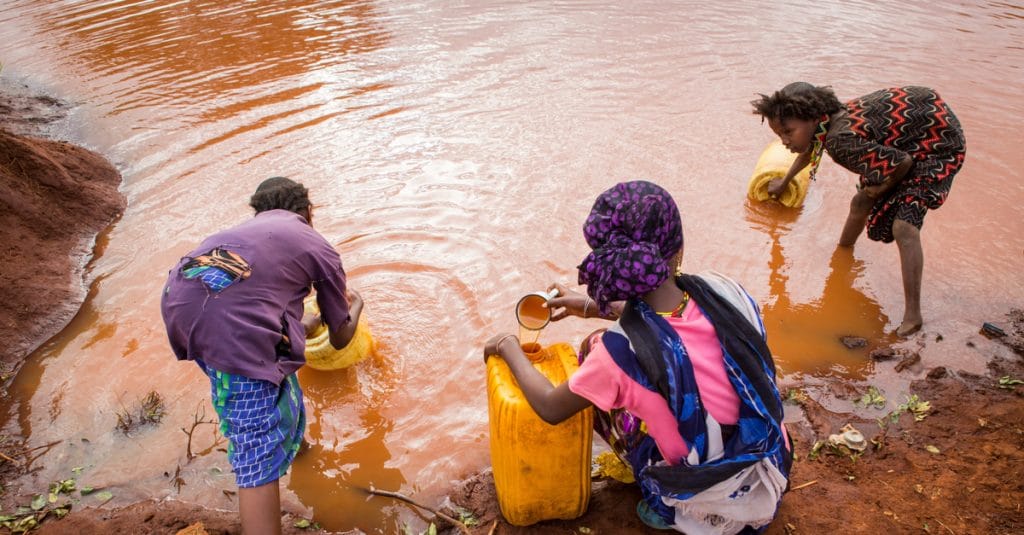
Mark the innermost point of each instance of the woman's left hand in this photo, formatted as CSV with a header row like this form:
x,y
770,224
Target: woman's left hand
x,y
311,322
493,346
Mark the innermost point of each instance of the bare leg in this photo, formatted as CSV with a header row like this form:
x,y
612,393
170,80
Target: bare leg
x,y
908,239
260,509
860,207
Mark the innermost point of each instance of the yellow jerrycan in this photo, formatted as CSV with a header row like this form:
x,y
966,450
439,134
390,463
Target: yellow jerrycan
x,y
541,471
774,162
321,355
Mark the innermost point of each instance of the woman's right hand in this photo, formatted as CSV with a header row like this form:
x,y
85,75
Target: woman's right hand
x,y
776,187
570,303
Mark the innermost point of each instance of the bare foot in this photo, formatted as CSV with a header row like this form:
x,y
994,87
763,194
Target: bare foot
x,y
908,328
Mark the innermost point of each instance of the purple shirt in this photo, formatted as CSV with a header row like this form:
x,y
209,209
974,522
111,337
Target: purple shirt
x,y
238,329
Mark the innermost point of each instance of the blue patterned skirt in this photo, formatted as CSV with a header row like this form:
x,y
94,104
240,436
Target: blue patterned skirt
x,y
263,423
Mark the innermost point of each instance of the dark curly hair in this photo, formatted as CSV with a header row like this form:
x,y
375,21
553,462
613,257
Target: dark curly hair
x,y
798,100
280,193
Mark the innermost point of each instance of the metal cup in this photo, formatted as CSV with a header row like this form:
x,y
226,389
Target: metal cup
x,y
531,312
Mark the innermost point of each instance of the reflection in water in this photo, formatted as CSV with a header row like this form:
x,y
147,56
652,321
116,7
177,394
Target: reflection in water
x,y
187,52
332,475
807,336
455,148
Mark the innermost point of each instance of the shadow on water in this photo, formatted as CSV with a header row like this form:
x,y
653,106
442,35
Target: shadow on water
x,y
808,337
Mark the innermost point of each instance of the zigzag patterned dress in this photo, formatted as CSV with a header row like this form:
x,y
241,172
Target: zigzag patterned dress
x,y
875,132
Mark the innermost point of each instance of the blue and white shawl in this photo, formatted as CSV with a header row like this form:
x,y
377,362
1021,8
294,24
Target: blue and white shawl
x,y
722,486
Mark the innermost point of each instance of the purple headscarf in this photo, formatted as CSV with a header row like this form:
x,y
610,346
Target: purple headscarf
x,y
634,230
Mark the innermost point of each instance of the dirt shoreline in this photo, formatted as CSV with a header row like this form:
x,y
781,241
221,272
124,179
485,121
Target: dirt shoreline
x,y
55,198
959,469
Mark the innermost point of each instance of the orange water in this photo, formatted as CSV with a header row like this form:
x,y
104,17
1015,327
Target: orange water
x,y
531,312
453,152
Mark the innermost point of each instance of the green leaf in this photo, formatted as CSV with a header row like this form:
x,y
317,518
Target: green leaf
x,y
1008,382
467,518
25,524
872,398
815,450
77,470
38,502
302,523
432,530
52,498
104,496
86,490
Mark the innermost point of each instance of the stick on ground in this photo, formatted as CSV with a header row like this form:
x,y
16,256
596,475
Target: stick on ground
x,y
462,527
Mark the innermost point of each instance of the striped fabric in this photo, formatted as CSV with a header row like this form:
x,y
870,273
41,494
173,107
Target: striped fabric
x,y
882,128
263,423
650,351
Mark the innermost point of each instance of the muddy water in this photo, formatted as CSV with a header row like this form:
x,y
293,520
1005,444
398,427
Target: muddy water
x,y
453,151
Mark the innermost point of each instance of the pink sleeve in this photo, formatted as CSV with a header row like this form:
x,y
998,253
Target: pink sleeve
x,y
598,379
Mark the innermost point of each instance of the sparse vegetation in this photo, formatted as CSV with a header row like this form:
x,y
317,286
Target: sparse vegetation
x,y
151,411
872,398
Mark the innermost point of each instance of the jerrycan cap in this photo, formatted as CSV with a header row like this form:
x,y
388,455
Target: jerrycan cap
x,y
532,312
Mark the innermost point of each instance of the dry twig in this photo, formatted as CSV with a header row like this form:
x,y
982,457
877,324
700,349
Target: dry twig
x,y
945,526
462,527
198,419
802,485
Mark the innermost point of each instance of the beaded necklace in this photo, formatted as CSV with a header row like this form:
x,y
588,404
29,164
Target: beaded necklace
x,y
678,312
819,145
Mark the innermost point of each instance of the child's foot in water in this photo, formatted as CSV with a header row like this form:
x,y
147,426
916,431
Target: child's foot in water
x,y
908,328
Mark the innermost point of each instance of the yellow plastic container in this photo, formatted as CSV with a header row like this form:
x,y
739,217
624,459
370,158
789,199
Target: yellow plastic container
x,y
774,162
541,471
321,355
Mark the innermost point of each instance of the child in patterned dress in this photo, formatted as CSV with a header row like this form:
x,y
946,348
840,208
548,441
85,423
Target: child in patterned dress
x,y
904,142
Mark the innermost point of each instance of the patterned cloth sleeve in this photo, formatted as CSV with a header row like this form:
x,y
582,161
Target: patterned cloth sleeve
x,y
871,160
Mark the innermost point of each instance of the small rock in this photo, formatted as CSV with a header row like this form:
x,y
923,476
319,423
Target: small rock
x,y
883,353
937,373
853,342
991,330
908,361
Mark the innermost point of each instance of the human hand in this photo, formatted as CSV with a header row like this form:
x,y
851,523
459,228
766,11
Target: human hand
x,y
311,322
494,345
776,187
355,300
570,303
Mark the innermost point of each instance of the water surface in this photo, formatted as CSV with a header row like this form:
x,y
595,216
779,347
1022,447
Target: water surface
x,y
453,150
